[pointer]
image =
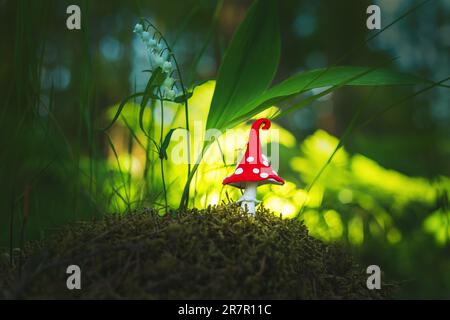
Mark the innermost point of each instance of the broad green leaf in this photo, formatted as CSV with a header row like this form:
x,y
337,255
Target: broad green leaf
x,y
249,63
165,144
358,76
334,77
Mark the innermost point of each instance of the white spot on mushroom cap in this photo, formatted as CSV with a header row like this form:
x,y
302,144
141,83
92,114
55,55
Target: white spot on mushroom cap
x,y
239,171
266,163
250,159
256,170
264,157
263,175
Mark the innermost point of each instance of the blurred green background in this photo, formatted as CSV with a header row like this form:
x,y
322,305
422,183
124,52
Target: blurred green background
x,y
385,194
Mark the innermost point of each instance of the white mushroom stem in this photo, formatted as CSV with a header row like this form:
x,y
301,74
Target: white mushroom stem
x,y
248,199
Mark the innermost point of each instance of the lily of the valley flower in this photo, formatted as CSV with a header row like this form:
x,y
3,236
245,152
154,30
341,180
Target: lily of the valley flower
x,y
138,28
159,56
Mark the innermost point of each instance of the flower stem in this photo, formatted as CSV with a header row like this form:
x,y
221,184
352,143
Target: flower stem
x,y
184,200
160,143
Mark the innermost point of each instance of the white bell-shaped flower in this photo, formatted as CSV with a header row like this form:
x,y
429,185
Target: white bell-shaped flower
x,y
168,82
151,44
159,57
167,66
159,47
138,28
145,36
158,60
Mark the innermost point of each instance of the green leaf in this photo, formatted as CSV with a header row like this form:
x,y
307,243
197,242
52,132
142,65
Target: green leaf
x,y
249,63
121,106
165,144
357,76
335,77
156,80
182,98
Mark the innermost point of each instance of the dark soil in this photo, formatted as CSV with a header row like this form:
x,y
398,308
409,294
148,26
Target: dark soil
x,y
216,253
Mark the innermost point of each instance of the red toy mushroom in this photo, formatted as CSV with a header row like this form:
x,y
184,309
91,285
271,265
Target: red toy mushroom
x,y
254,169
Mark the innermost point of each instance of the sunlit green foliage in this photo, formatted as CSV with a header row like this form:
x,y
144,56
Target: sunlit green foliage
x,y
354,183
354,198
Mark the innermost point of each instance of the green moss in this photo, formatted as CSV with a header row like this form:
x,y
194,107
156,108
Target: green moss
x,y
219,252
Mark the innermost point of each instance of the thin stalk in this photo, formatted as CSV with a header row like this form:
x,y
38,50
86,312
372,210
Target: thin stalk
x,y
185,195
124,184
188,140
149,163
160,143
130,164
194,197
11,228
25,214
224,166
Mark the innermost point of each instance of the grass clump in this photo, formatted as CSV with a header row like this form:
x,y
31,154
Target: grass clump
x,y
217,253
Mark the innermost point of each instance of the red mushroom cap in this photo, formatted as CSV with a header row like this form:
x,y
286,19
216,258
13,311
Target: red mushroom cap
x,y
254,166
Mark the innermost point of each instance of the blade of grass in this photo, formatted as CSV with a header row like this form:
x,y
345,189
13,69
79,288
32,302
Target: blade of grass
x,y
162,158
165,143
120,108
113,148
211,31
403,100
11,226
25,216
186,19
341,142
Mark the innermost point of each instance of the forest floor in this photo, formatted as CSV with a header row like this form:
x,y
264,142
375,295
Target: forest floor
x,y
216,253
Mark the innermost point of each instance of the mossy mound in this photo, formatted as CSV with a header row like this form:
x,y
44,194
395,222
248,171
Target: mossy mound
x,y
217,253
